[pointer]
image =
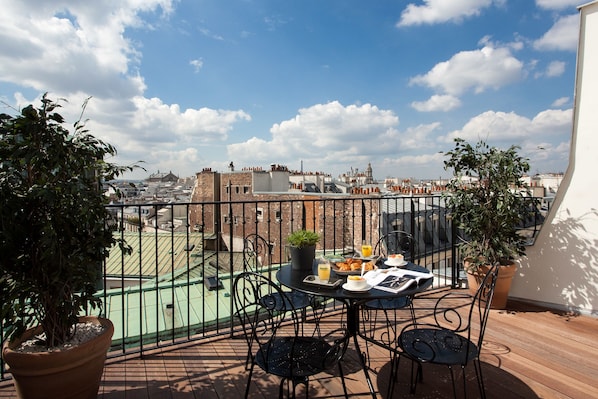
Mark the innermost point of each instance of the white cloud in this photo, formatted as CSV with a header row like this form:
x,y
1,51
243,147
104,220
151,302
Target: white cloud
x,y
324,134
80,49
274,22
196,64
439,11
558,4
152,116
546,156
437,103
555,68
174,160
73,46
539,138
559,102
76,50
206,32
563,35
418,137
478,70
421,159
510,127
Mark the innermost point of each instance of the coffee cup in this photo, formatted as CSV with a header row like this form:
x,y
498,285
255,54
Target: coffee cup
x,y
395,260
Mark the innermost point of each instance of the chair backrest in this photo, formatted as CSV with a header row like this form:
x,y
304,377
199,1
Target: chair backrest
x,y
257,253
470,320
283,347
258,310
396,241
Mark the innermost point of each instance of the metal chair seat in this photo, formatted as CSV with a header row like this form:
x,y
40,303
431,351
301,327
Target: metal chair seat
x,y
289,300
294,357
389,304
430,344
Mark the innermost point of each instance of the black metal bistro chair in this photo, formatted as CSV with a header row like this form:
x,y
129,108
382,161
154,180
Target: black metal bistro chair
x,y
396,241
381,318
274,339
454,338
257,256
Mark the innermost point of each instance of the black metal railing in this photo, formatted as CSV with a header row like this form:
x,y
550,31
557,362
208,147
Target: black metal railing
x,y
175,284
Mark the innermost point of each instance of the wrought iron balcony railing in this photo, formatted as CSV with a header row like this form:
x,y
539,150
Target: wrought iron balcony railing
x,y
175,284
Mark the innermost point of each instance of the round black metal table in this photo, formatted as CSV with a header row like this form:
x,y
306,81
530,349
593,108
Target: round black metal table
x,y
294,280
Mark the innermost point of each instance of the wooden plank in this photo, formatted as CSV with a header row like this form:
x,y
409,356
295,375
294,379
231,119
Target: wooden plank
x,y
531,353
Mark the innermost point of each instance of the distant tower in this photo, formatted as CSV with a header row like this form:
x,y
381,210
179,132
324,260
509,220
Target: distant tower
x,y
369,178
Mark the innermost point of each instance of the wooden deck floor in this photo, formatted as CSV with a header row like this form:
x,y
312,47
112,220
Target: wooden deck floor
x,y
529,353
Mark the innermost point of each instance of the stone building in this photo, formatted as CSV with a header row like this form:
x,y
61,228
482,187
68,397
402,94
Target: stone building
x,y
162,177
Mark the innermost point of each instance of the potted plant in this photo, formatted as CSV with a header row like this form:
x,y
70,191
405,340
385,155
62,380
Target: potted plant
x,y
53,240
302,246
488,200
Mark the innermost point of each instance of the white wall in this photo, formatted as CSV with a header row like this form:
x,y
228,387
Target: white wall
x,y
562,266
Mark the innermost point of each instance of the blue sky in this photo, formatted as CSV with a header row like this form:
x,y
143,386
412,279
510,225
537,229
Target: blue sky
x,y
336,84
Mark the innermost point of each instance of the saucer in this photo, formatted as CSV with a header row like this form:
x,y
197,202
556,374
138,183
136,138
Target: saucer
x,y
395,264
366,288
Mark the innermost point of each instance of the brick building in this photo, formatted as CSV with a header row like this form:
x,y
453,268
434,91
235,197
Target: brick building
x,y
238,203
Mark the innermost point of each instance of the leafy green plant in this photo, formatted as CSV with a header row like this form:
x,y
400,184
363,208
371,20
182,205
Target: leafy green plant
x,y
488,200
53,231
303,238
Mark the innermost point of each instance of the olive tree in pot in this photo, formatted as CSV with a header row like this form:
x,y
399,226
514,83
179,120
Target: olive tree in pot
x,y
302,246
488,199
53,239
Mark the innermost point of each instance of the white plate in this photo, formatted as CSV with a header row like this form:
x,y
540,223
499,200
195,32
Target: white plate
x,y
394,264
366,288
355,272
365,258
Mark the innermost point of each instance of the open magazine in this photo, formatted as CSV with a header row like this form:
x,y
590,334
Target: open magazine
x,y
396,280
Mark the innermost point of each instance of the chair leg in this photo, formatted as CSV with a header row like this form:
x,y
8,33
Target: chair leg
x,y
366,319
294,383
453,381
248,360
479,376
280,388
464,381
248,381
412,311
340,370
391,327
414,378
394,372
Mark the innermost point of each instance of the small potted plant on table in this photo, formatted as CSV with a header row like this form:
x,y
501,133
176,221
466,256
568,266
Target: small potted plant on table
x,y
302,246
54,237
488,200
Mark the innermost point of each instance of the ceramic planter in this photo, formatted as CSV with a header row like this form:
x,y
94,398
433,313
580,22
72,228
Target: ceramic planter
x,y
302,258
68,374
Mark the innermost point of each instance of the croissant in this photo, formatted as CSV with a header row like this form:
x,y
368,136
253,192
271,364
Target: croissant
x,y
343,266
355,265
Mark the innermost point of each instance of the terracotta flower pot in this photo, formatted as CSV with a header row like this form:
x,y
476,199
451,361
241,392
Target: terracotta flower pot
x,y
72,373
503,283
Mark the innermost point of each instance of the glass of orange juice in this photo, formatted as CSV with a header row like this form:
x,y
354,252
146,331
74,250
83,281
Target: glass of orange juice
x,y
324,271
366,250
